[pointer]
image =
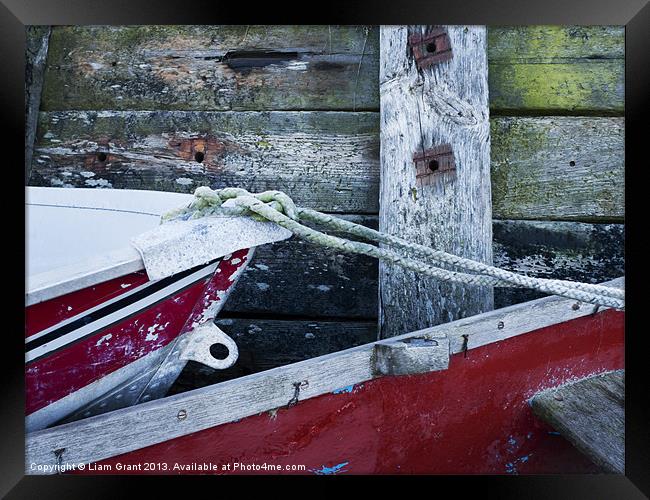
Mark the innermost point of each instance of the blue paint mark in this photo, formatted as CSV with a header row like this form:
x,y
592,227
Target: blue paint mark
x,y
347,389
512,444
511,467
326,471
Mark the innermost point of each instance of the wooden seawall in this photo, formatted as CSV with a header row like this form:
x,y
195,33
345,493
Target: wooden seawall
x,y
297,109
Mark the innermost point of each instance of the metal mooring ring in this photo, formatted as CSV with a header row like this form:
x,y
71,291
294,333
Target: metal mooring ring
x,y
202,339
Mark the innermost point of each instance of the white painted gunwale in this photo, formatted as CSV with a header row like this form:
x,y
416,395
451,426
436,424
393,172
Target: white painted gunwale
x,y
129,429
68,279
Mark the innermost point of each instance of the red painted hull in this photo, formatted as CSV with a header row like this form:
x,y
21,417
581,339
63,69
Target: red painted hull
x,y
107,349
472,418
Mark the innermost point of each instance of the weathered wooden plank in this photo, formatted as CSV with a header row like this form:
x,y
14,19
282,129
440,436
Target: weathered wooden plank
x,y
129,429
557,69
590,253
212,68
324,160
532,174
551,68
552,43
590,413
444,104
267,343
37,38
294,277
561,168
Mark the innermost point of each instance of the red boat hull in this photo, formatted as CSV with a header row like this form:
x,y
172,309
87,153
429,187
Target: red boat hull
x,y
472,418
147,326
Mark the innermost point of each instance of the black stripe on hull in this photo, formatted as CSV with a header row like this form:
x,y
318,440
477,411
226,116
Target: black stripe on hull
x,y
114,307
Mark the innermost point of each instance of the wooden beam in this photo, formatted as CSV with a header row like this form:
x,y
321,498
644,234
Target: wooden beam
x,y
590,413
323,160
558,168
212,68
557,69
552,168
421,109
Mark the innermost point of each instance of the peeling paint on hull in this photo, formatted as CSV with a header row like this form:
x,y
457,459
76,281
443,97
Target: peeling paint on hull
x,y
86,360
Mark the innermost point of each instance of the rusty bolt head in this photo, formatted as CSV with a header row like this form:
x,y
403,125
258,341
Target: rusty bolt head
x,y
182,415
576,306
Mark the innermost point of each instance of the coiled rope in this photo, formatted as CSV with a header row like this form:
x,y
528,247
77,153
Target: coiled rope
x,y
277,207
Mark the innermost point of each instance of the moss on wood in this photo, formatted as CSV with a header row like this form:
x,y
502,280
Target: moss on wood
x,y
557,69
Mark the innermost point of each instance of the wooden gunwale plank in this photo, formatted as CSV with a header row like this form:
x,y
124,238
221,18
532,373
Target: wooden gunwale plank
x,y
590,413
421,109
125,430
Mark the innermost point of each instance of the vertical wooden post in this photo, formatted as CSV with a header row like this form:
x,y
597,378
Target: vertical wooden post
x,y
421,108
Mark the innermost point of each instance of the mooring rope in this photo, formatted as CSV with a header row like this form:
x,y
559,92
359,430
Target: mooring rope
x,y
277,207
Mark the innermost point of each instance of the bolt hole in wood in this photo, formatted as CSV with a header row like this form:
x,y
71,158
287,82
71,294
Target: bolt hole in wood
x,y
199,156
572,163
420,342
431,47
101,156
434,165
219,351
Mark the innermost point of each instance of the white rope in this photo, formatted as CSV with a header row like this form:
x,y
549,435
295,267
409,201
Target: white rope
x,y
279,208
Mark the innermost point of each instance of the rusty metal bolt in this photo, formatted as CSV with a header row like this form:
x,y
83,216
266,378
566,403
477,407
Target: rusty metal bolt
x,y
576,306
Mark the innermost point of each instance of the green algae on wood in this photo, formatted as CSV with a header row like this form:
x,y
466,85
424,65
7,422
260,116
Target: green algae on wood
x,y
539,44
557,69
558,168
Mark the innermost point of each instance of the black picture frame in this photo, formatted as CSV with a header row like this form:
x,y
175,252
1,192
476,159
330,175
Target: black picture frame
x,y
634,14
